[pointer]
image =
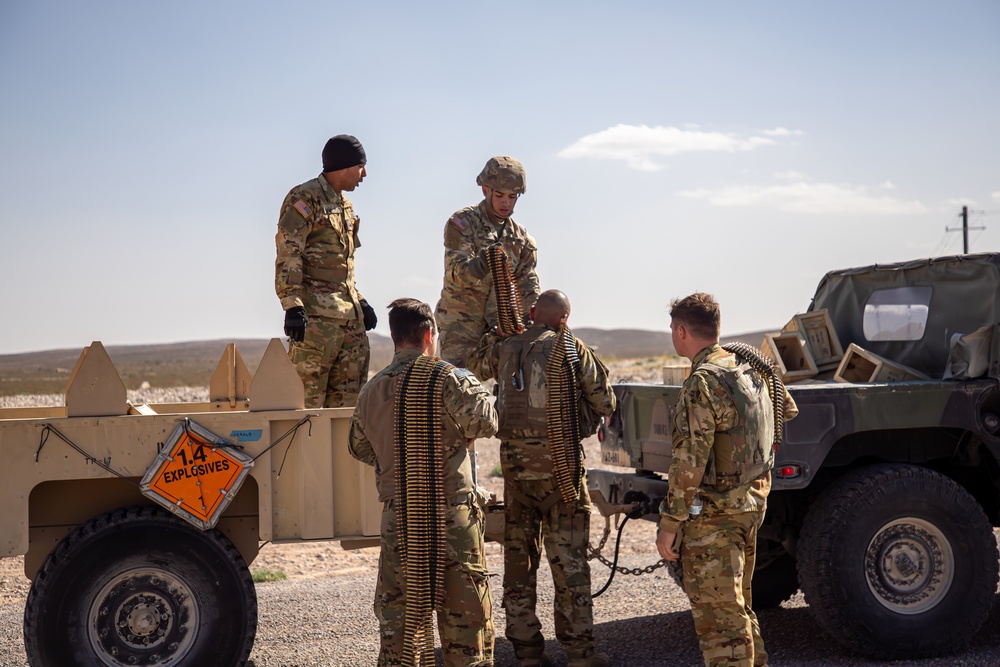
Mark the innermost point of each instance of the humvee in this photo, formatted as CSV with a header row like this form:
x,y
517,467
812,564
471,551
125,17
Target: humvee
x,y
885,494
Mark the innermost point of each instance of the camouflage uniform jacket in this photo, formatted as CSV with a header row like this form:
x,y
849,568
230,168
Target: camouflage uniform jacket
x,y
316,239
703,409
466,296
525,454
467,413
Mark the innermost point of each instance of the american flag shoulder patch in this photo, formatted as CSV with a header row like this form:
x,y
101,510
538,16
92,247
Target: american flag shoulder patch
x,y
459,222
302,208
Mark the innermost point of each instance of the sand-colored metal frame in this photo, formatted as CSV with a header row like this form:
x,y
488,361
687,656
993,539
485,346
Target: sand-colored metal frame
x,y
307,487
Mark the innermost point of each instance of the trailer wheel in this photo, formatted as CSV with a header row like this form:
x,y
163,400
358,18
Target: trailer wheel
x,y
898,561
772,583
140,587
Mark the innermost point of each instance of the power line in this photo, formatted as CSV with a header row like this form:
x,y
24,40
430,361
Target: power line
x,y
964,229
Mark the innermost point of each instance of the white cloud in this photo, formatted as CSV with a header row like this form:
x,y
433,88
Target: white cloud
x,y
791,176
638,145
996,196
803,197
959,202
781,132
887,185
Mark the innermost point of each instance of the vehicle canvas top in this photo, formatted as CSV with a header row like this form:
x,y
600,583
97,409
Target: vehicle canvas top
x,y
910,312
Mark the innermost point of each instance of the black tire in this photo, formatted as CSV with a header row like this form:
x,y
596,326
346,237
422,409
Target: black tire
x,y
772,583
138,586
898,561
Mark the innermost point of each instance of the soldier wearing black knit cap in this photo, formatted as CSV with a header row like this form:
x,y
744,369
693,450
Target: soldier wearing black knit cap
x,y
326,318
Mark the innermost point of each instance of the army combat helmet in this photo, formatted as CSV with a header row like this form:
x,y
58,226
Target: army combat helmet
x,y
503,173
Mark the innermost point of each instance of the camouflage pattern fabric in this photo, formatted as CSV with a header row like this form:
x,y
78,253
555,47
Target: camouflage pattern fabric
x,y
469,415
725,533
332,361
465,623
525,453
534,512
718,554
314,268
565,530
467,308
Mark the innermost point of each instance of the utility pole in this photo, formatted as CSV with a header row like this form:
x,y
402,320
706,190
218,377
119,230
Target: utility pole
x,y
965,229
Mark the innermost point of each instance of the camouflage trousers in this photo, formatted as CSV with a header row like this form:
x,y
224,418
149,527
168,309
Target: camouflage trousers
x,y
718,554
332,361
565,530
465,621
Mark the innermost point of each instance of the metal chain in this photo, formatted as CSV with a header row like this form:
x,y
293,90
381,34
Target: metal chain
x,y
596,553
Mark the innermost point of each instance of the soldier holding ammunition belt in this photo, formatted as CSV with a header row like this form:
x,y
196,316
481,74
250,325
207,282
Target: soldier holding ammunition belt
x,y
431,522
468,308
325,316
723,451
545,487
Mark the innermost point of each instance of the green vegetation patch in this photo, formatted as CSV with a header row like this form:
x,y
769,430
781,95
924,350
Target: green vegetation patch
x,y
264,574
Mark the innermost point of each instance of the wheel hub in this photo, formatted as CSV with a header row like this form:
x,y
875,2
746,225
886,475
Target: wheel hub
x,y
909,565
143,617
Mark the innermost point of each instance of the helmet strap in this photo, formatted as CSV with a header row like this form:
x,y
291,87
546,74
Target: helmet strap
x,y
489,205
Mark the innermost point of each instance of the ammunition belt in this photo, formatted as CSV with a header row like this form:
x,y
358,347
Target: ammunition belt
x,y
509,322
775,387
420,502
562,414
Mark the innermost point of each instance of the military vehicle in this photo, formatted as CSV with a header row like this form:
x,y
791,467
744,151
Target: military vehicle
x,y
885,494
137,522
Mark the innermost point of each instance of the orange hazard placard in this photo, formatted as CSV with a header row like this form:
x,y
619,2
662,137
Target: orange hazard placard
x,y
196,474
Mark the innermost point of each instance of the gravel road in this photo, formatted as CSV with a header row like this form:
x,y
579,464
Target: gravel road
x,y
322,615
640,621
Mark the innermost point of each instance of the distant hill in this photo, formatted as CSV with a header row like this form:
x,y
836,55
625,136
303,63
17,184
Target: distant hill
x,y
192,364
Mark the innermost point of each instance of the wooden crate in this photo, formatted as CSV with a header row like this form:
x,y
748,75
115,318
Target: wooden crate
x,y
821,338
675,374
860,365
790,353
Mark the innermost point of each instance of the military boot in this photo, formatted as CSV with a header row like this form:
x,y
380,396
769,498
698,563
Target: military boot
x,y
593,660
541,661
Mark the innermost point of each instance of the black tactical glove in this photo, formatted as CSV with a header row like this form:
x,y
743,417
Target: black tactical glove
x,y
295,323
369,313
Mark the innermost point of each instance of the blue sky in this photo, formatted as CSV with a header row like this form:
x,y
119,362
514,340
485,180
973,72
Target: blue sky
x,y
738,148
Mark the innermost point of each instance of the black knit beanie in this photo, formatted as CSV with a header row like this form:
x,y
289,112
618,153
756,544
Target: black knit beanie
x,y
342,151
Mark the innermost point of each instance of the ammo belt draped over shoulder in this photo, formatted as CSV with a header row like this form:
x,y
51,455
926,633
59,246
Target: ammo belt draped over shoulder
x,y
562,414
420,501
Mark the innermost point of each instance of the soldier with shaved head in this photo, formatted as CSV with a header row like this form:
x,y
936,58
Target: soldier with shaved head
x,y
545,498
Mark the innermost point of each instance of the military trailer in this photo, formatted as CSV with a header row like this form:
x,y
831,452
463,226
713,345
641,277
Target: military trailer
x,y
885,493
137,522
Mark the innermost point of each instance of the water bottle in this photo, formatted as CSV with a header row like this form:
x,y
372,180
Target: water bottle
x,y
696,506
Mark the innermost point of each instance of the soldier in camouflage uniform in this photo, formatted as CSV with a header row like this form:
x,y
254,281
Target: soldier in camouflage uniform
x,y
465,620
468,308
325,316
535,510
722,454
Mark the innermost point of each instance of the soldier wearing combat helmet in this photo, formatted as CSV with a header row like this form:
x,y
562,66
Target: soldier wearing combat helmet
x,y
468,308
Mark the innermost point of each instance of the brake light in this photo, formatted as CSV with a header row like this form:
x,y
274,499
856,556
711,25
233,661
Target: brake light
x,y
788,471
